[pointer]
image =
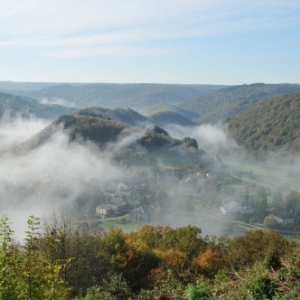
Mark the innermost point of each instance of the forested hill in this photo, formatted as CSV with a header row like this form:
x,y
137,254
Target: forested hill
x,y
199,102
166,107
169,117
121,95
26,107
101,129
269,125
127,116
230,101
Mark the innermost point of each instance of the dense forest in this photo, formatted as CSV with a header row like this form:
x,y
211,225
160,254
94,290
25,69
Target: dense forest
x,y
62,260
230,101
270,125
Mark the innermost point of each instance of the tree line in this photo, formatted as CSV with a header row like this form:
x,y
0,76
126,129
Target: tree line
x,y
60,260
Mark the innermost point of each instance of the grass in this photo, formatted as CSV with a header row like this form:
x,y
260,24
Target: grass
x,y
108,224
246,228
264,175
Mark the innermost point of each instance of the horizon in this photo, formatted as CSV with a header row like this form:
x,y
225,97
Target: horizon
x,y
132,83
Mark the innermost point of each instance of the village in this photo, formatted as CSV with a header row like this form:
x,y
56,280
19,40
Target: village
x,y
165,196
198,195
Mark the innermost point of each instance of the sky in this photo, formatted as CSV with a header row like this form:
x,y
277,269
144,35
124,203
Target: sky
x,y
151,41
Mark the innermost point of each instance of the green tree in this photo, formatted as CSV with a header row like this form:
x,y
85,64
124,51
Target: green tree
x,y
86,262
277,200
270,222
39,276
292,202
258,245
8,262
197,292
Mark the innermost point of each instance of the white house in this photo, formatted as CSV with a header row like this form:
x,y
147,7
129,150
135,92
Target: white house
x,y
232,208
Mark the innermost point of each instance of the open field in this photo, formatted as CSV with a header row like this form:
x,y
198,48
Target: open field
x,y
274,177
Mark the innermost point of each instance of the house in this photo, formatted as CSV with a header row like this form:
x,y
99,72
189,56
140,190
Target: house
x,y
104,210
142,214
117,206
285,219
232,208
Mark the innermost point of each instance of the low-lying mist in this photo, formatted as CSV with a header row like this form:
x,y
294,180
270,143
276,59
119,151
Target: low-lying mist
x,y
212,138
56,175
58,101
16,130
47,178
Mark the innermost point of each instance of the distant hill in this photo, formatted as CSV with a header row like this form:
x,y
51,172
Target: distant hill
x,y
201,103
121,95
10,86
165,107
127,116
222,104
25,107
272,124
169,117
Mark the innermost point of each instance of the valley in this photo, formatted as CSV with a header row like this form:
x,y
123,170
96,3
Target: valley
x,y
120,178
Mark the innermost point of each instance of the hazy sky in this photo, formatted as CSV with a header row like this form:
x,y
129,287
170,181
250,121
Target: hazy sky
x,y
165,41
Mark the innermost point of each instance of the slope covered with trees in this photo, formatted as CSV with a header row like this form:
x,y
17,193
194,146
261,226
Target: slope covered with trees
x,y
27,107
64,261
273,124
230,101
98,126
165,107
169,117
127,116
122,95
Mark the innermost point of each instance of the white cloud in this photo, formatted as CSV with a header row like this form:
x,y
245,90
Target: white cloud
x,y
69,24
108,51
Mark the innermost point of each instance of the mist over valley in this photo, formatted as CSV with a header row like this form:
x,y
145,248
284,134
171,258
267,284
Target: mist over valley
x,y
55,158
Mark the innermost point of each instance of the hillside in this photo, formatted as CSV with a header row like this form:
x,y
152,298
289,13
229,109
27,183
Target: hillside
x,y
230,101
121,95
165,107
270,125
127,116
201,103
26,107
96,125
101,130
169,117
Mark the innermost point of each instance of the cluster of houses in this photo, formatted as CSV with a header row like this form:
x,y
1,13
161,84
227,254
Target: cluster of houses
x,y
126,200
122,201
